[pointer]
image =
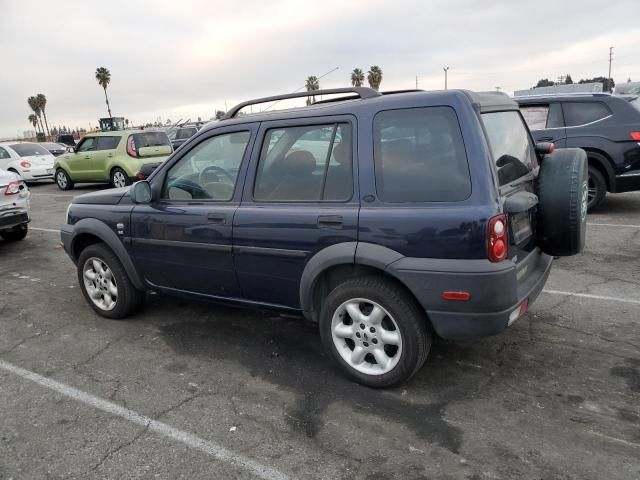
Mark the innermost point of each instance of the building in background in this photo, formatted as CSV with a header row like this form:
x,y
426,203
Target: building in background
x,y
563,88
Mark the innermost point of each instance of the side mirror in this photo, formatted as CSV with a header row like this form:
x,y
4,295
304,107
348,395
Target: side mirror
x,y
140,192
545,148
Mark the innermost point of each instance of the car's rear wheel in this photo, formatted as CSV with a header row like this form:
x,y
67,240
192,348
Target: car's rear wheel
x,y
374,331
16,234
119,178
105,283
597,188
63,180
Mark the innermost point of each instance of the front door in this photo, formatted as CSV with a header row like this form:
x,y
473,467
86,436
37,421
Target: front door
x,y
80,163
183,241
299,198
546,122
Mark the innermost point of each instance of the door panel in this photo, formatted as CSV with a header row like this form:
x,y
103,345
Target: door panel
x,y
80,162
276,234
183,241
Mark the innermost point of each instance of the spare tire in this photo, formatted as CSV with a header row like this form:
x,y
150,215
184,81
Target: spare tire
x,y
562,202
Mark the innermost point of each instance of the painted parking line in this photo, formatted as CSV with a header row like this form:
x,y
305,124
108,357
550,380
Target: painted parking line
x,y
52,230
622,225
594,297
52,194
218,452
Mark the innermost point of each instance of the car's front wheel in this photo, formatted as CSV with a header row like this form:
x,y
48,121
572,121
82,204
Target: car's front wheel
x,y
63,180
119,178
16,234
374,331
105,283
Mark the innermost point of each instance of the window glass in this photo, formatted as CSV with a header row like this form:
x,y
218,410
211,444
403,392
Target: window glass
x,y
535,116
308,163
512,148
580,113
171,134
150,139
29,149
107,143
555,119
419,156
185,133
209,170
86,144
4,153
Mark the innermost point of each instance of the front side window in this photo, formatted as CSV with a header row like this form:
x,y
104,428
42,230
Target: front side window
x,y
87,144
305,163
4,153
208,171
420,156
581,113
29,149
107,143
511,145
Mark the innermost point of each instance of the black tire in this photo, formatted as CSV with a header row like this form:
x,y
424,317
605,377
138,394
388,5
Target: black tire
x,y
410,319
63,180
562,202
114,179
16,234
597,188
128,299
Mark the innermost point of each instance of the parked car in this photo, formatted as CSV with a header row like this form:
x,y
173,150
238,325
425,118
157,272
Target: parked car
x,y
31,161
424,213
605,126
14,207
66,139
111,157
55,149
179,135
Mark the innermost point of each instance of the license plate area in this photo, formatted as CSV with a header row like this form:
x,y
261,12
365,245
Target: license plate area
x,y
520,226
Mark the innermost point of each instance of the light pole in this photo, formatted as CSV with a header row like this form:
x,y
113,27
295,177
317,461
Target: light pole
x,y
446,70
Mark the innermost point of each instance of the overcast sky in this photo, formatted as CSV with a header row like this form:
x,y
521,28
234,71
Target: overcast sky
x,y
186,58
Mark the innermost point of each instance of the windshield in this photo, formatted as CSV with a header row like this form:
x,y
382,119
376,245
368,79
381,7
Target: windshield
x,y
29,149
512,148
150,139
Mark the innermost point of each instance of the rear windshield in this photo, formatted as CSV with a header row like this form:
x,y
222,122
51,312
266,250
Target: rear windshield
x,y
150,139
29,149
512,148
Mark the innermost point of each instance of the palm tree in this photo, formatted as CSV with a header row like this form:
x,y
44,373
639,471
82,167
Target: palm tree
x,y
103,76
312,84
33,120
357,77
33,103
42,103
374,77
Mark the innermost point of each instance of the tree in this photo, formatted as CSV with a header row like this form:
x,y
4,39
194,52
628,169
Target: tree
x,y
34,120
374,77
103,76
603,80
568,80
544,82
312,84
220,114
33,103
42,103
357,77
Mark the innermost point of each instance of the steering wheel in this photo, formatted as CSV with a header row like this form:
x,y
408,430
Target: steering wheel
x,y
215,168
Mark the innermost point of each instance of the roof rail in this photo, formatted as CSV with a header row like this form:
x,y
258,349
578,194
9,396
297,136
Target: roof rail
x,y
565,94
362,92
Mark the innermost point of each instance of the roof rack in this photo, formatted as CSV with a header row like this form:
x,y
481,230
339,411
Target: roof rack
x,y
362,92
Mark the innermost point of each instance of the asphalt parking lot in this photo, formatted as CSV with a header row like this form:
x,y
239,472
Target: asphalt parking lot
x,y
192,390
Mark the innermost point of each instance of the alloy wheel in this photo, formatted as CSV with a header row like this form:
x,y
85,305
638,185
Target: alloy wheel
x,y
100,283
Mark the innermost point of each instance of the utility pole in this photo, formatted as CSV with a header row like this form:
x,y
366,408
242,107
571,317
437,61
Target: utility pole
x,y
416,82
609,77
446,70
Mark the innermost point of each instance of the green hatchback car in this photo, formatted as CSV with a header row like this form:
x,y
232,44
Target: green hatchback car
x,y
113,157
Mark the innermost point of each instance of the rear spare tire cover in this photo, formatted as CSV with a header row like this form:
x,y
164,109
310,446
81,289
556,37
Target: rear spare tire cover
x,y
562,202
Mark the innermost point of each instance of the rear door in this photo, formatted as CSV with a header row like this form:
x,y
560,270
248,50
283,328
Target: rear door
x,y
546,122
105,150
299,198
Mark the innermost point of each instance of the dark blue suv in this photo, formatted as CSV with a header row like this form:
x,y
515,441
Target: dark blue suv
x,y
387,218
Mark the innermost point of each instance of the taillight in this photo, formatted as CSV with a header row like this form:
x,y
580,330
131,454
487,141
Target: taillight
x,y
131,147
13,188
635,136
25,164
497,238
140,176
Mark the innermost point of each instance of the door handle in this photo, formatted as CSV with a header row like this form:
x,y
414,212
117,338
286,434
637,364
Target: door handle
x,y
546,139
217,218
87,157
330,221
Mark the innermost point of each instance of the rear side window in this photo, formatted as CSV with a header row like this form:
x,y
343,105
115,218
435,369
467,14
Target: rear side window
x,y
419,156
306,163
580,113
107,143
511,145
29,149
535,116
150,139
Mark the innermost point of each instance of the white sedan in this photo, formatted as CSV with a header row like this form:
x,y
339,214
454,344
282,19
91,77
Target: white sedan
x,y
14,207
31,161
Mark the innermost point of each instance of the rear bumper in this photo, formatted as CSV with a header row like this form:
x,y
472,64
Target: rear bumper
x,y
13,218
497,290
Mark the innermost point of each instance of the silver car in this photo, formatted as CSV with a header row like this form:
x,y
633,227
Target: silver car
x,y
14,207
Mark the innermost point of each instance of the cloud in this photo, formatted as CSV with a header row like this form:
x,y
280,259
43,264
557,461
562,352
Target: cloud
x,y
185,59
